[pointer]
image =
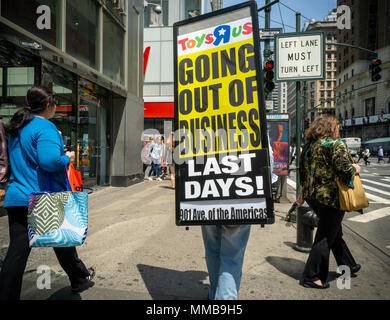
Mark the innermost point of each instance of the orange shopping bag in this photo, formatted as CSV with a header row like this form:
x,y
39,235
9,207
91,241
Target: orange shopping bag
x,y
74,177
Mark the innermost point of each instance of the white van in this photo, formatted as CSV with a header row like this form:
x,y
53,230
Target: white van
x,y
353,145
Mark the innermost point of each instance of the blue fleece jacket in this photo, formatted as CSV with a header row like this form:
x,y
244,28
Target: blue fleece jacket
x,y
37,151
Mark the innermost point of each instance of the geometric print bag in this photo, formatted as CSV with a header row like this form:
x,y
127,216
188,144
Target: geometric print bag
x,y
57,219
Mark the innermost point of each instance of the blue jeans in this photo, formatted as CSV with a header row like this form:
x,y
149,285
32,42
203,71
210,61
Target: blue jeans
x,y
156,168
225,248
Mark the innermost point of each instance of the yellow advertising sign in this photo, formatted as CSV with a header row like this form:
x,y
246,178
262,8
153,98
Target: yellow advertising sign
x,y
218,104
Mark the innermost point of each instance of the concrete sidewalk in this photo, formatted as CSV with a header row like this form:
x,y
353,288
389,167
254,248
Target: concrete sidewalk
x,y
140,253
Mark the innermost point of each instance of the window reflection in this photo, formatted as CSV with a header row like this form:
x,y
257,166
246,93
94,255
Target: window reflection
x,y
23,13
82,30
113,39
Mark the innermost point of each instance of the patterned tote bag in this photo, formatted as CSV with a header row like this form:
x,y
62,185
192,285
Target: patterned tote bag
x,y
57,219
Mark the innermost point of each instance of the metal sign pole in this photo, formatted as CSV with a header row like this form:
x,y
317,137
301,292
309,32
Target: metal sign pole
x,y
298,115
304,231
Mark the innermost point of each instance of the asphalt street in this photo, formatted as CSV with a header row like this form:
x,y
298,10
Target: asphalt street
x,y
374,224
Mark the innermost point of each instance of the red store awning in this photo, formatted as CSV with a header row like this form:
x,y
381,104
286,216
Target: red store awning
x,y
158,109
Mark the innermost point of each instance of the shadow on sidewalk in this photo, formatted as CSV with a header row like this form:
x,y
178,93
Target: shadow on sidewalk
x,y
167,284
290,267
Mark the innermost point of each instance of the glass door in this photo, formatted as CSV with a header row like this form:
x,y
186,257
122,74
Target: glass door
x,y
93,147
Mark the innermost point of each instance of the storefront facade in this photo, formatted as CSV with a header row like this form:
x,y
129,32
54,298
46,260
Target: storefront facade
x,y
86,59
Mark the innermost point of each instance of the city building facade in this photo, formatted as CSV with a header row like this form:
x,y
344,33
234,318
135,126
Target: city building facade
x,y
317,96
362,105
89,52
158,41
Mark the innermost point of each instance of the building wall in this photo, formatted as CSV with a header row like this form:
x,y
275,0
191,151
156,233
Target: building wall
x,y
158,84
122,78
320,94
355,89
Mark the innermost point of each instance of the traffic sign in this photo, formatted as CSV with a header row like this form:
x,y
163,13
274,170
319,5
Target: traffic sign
x,y
300,56
268,34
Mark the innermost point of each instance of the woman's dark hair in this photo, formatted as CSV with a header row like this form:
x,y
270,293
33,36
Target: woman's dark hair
x,y
323,127
37,100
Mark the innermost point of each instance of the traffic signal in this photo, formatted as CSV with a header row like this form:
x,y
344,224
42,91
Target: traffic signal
x,y
269,84
375,70
306,124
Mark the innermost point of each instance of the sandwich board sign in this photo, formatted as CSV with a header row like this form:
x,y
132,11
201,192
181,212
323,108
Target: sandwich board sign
x,y
222,163
300,56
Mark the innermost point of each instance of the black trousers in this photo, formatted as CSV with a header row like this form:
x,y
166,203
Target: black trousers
x,y
329,236
14,264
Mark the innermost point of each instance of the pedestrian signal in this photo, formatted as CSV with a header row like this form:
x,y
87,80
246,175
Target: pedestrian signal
x,y
269,85
375,70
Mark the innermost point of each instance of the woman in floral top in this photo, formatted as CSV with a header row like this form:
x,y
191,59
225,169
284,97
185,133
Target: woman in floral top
x,y
325,157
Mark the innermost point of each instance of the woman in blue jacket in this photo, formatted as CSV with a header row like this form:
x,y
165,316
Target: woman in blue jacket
x,y
35,148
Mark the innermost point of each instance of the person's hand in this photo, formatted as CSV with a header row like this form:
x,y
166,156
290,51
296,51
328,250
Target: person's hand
x,y
2,194
71,155
357,168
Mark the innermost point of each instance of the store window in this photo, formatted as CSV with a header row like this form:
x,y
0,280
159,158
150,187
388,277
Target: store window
x,y
19,70
192,8
23,13
64,84
82,30
154,18
113,46
17,82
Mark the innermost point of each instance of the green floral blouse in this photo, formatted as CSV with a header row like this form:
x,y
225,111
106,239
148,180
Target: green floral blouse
x,y
321,161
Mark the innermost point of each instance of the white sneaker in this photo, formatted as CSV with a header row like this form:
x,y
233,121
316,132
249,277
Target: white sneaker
x,y
159,179
150,179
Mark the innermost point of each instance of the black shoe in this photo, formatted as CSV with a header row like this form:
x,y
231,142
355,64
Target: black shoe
x,y
85,283
355,268
310,284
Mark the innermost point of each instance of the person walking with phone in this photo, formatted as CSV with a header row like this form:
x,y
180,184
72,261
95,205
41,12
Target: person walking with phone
x,y
35,149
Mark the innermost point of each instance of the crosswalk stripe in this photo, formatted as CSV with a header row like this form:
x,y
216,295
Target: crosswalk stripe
x,y
377,183
370,196
370,216
291,183
377,199
386,179
376,190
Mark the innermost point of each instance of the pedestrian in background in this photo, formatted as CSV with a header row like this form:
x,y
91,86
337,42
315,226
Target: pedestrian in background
x,y
164,167
4,166
366,155
323,159
145,155
156,158
169,162
292,154
380,154
360,154
35,149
